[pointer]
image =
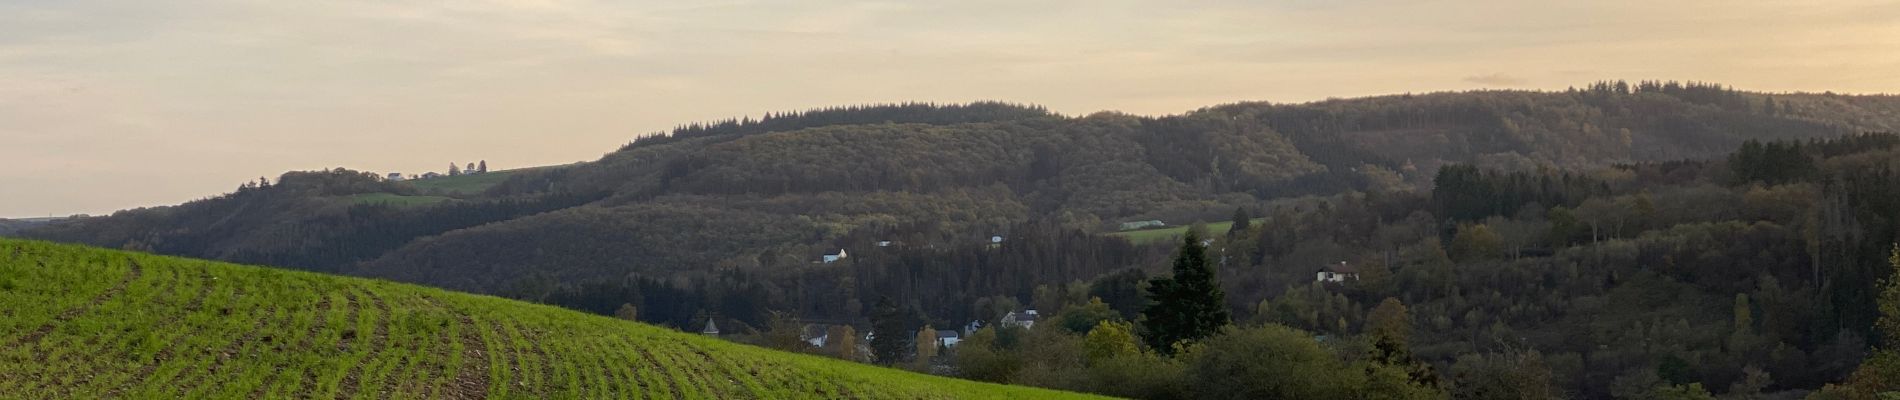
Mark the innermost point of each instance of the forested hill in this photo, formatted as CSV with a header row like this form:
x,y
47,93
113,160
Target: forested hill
x,y
777,192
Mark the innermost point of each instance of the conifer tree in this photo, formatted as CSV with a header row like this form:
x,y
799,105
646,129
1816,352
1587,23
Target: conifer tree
x,y
1242,222
1188,306
891,332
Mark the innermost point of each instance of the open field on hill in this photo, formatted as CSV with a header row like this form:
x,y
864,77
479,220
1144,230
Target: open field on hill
x,y
81,322
471,183
462,184
1140,236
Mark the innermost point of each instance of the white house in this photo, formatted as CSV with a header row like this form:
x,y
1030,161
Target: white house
x,y
832,258
1025,319
1337,273
883,243
395,177
427,175
948,339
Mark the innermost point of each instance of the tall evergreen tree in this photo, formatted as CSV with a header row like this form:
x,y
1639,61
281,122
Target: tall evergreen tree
x,y
1242,221
891,329
483,167
1188,306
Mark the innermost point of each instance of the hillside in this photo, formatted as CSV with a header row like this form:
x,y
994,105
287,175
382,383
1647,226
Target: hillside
x,y
780,190
81,322
1635,234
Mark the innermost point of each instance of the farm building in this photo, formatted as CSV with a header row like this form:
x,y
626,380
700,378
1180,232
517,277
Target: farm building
x,y
1337,273
832,258
1025,319
948,338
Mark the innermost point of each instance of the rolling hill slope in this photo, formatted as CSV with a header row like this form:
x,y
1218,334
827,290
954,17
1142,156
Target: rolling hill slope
x,y
80,322
770,195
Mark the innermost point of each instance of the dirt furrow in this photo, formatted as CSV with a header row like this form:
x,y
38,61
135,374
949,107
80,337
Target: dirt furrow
x,y
308,386
671,384
321,316
724,372
607,369
62,384
102,347
378,341
471,378
167,353
215,374
540,355
512,353
635,368
34,336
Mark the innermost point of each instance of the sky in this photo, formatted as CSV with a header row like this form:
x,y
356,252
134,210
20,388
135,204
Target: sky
x,y
107,105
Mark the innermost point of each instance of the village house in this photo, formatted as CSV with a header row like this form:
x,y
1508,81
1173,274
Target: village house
x,y
1025,319
832,258
948,338
395,177
1337,273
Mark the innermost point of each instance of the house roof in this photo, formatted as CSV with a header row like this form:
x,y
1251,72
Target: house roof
x,y
944,334
1342,267
1026,316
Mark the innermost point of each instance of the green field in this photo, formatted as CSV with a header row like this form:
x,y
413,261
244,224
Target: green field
x,y
394,199
470,183
462,184
81,322
1142,236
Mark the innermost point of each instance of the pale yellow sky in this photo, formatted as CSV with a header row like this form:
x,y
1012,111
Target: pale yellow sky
x,y
114,104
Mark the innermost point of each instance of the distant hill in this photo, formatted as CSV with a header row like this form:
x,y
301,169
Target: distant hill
x,y
91,323
9,226
776,192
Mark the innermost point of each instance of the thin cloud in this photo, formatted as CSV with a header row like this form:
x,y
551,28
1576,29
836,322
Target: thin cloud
x,y
1495,79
